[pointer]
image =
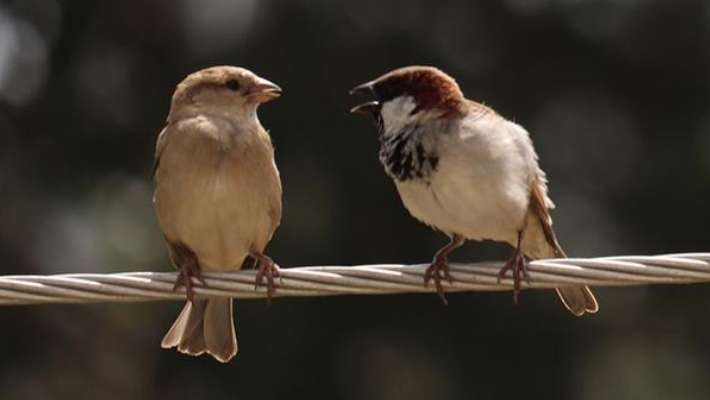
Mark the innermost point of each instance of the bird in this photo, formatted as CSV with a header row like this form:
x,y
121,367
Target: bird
x,y
217,197
465,171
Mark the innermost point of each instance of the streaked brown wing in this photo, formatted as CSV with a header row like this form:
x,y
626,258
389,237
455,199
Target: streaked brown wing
x,y
538,205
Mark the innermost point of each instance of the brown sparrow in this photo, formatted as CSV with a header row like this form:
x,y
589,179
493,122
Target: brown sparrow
x,y
217,196
464,170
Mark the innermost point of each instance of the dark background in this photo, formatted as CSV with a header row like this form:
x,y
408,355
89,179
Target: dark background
x,y
615,93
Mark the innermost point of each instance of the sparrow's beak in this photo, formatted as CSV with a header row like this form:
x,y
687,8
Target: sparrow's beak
x,y
365,88
369,108
264,91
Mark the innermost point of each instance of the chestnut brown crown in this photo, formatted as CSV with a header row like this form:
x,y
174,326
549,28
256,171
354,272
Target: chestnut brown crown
x,y
431,89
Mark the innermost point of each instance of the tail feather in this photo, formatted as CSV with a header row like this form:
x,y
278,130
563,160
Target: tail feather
x,y
539,243
219,335
204,326
578,299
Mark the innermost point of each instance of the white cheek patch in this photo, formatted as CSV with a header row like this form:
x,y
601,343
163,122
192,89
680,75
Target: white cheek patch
x,y
396,114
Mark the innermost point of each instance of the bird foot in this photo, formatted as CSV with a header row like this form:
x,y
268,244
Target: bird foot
x,y
518,265
188,271
438,270
267,270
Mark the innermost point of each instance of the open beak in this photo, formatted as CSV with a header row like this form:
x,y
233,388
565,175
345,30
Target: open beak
x,y
264,91
365,88
368,108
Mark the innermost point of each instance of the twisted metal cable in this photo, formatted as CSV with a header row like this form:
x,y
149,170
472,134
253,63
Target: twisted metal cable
x,y
361,280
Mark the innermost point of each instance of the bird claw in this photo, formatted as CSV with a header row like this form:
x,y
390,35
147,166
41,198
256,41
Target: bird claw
x,y
266,271
438,270
518,265
185,274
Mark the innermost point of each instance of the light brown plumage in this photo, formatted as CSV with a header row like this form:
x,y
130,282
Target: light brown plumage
x,y
217,194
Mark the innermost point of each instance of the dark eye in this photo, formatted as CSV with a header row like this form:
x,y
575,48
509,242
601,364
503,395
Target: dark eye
x,y
232,84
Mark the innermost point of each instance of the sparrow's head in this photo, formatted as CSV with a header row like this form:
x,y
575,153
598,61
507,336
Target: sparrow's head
x,y
225,90
411,93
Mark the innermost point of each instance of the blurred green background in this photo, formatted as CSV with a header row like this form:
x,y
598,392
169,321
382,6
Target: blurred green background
x,y
616,94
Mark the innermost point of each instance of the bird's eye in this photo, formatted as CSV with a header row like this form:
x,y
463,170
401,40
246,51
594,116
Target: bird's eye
x,y
232,84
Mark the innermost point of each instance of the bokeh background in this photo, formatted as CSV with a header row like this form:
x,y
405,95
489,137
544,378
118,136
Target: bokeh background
x,y
616,94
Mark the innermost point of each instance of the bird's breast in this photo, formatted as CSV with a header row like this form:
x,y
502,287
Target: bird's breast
x,y
406,155
221,200
477,190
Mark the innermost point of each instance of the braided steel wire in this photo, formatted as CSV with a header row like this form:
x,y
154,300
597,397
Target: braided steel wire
x,y
355,280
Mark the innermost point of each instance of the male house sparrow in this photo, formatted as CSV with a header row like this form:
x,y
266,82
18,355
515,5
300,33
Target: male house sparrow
x,y
466,171
217,196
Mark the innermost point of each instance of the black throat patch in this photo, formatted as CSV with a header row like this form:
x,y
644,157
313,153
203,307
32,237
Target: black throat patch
x,y
404,155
